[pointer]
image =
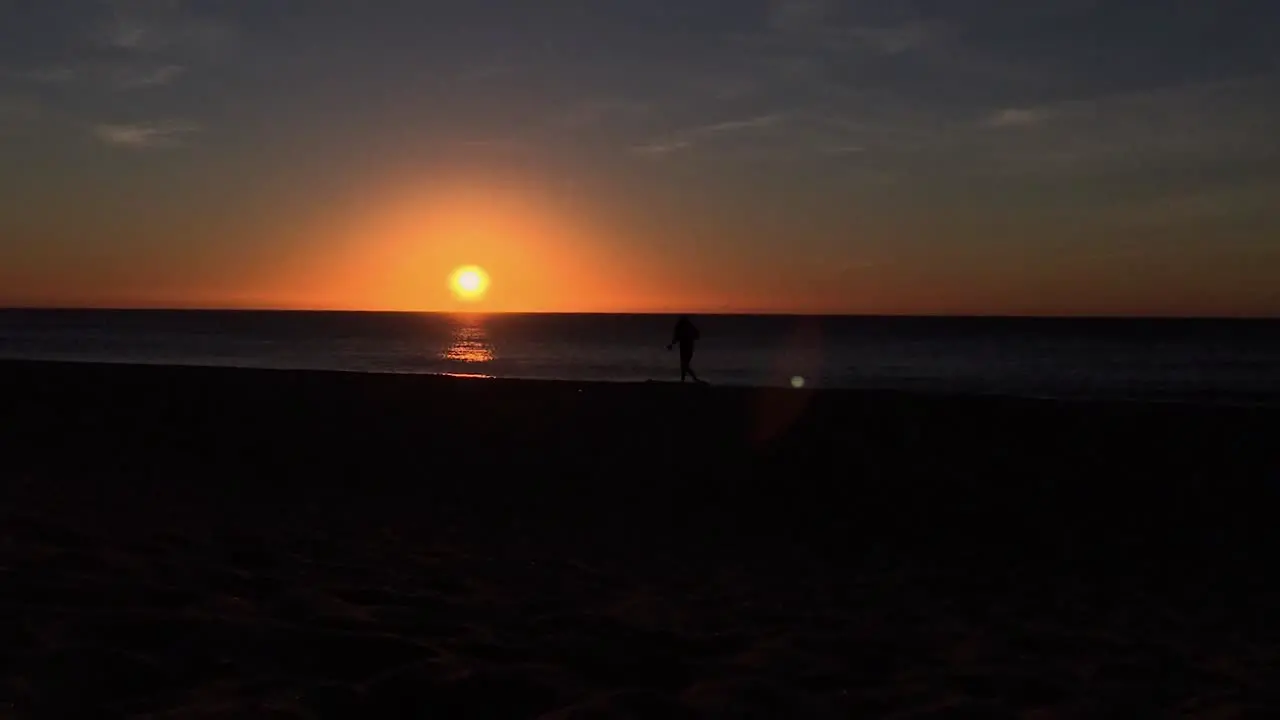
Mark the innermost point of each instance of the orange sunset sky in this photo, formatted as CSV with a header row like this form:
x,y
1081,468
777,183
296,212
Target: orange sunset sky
x,y
784,156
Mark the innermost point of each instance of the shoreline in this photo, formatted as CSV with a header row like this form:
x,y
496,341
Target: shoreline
x,y
1192,399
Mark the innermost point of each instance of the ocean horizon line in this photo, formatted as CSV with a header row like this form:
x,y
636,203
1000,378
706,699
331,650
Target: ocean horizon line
x,y
618,313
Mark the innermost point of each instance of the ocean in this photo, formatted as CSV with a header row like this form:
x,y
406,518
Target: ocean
x,y
1225,361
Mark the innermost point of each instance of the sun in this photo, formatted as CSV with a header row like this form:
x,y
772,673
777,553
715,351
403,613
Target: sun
x,y
469,282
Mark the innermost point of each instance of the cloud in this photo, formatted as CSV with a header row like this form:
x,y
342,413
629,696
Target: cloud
x,y
839,58
794,133
687,138
1018,117
128,45
119,75
662,147
761,121
862,55
132,45
142,136
135,78
1181,132
152,27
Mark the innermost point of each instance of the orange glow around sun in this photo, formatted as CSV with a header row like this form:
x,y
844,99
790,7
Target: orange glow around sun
x,y
526,248
469,283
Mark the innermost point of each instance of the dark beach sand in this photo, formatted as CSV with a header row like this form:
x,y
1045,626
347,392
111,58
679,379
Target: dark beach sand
x,y
198,543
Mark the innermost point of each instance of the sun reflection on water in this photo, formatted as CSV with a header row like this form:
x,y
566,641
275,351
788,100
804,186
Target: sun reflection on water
x,y
470,344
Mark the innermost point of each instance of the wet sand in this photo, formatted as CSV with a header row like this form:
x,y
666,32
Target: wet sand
x,y
233,543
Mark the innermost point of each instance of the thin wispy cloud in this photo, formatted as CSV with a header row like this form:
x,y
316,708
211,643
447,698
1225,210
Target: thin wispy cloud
x,y
137,78
116,75
120,75
127,34
827,56
1176,129
1018,117
128,45
752,123
662,147
793,134
138,44
689,137
161,26
145,136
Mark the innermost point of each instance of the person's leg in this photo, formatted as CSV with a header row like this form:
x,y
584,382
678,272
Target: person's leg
x,y
686,364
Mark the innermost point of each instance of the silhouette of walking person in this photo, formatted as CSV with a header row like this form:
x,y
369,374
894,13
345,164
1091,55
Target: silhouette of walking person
x,y
685,335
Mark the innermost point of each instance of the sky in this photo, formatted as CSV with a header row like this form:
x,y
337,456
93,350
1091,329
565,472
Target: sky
x,y
1004,157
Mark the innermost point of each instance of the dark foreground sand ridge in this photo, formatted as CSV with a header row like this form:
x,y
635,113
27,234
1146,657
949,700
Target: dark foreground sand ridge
x,y
232,543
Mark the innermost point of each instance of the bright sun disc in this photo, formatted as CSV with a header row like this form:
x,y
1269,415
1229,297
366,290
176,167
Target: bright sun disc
x,y
469,282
